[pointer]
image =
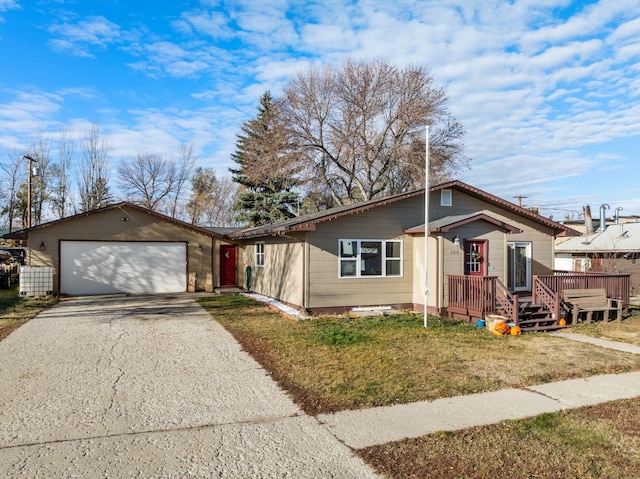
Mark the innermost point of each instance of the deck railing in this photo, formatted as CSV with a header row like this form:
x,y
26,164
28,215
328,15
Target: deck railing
x,y
545,296
617,285
476,296
471,296
508,302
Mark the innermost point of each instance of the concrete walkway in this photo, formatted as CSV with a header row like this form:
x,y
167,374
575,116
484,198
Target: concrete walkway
x,y
370,427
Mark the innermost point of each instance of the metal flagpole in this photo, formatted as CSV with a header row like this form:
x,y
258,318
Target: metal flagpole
x,y
426,226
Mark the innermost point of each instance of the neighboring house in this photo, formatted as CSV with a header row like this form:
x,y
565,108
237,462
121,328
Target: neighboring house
x,y
124,248
616,249
372,254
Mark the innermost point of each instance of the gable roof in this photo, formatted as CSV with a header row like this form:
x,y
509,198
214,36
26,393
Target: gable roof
x,y
24,233
447,223
309,222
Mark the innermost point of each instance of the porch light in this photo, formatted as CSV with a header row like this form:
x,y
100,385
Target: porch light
x,y
42,246
456,241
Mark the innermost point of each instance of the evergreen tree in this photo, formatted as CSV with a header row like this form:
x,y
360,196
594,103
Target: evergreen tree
x,y
266,169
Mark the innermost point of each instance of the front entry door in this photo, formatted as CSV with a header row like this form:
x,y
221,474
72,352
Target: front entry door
x,y
227,265
475,253
519,266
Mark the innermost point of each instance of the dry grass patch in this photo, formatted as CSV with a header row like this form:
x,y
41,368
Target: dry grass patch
x,y
626,331
331,364
600,441
15,311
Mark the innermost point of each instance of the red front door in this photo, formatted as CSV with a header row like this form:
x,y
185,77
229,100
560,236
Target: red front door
x,y
227,265
475,263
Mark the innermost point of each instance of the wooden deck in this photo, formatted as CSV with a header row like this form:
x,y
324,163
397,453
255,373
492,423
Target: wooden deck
x,y
474,297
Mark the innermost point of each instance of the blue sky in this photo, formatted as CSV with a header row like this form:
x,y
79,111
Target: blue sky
x,y
548,91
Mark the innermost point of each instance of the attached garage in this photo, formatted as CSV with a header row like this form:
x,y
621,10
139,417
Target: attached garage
x,y
125,248
105,267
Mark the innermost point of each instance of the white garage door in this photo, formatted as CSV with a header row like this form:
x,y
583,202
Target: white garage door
x,y
104,267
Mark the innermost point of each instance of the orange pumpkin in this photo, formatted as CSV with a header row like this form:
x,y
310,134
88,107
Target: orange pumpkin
x,y
500,329
562,322
515,330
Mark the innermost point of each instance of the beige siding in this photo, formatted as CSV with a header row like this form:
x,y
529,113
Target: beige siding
x,y
308,275
385,222
202,252
540,237
281,275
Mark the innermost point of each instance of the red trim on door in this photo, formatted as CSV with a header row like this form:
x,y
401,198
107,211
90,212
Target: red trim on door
x,y
475,253
228,256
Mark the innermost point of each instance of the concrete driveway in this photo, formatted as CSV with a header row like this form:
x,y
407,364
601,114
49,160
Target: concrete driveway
x,y
150,387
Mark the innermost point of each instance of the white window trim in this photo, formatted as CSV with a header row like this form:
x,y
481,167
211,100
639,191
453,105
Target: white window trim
x,y
446,198
260,255
357,259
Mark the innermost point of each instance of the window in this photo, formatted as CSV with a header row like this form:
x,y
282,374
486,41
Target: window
x,y
260,254
367,258
446,198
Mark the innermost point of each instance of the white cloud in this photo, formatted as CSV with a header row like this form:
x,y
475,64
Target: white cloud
x,y
79,38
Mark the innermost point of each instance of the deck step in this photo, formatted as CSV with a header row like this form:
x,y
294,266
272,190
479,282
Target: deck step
x,y
553,327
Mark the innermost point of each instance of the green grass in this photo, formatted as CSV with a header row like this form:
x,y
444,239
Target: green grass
x,y
337,363
15,310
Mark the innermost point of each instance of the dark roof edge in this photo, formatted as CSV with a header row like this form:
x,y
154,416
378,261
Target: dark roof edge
x,y
557,227
283,228
24,233
326,215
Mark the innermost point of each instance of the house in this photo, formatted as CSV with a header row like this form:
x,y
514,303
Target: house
x,y
613,249
372,253
124,248
483,255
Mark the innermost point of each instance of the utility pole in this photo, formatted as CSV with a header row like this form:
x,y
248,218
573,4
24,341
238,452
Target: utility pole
x,y
520,198
27,157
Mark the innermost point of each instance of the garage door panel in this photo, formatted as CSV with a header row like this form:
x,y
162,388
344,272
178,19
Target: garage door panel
x,y
101,267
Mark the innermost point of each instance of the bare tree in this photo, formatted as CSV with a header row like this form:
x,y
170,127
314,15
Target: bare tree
x,y
13,169
94,170
360,128
184,172
148,179
212,199
220,211
59,173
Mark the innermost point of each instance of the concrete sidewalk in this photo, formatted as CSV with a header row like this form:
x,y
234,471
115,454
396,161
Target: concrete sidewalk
x,y
370,427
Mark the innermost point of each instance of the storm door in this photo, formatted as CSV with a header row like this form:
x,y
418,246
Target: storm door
x,y
519,266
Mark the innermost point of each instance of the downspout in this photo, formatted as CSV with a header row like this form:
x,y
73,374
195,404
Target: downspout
x,y
215,278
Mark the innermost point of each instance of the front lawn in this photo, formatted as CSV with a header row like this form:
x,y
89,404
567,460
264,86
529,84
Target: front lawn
x,y
337,363
15,311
